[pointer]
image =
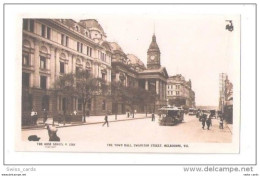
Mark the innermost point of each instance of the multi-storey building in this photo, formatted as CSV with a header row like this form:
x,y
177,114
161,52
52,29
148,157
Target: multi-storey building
x,y
131,71
179,91
228,101
54,47
222,79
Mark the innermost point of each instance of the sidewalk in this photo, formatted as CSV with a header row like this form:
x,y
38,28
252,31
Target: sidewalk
x,y
89,120
229,126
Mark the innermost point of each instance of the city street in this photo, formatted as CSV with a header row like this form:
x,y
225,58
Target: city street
x,y
140,130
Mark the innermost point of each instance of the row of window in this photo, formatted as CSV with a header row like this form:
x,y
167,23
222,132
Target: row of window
x,y
28,25
43,63
172,93
26,80
43,79
176,86
102,56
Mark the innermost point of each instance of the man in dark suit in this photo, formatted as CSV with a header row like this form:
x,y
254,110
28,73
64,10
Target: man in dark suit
x,y
106,121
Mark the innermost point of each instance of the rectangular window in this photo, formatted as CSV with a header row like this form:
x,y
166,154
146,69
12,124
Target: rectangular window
x,y
48,33
62,39
90,52
62,67
87,50
80,103
78,45
42,62
26,79
81,47
67,41
31,25
26,59
43,82
43,30
28,25
25,24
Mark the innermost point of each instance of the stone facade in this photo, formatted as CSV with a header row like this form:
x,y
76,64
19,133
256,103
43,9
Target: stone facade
x,y
179,91
132,72
54,47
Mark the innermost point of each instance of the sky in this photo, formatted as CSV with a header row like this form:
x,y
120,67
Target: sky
x,y
196,46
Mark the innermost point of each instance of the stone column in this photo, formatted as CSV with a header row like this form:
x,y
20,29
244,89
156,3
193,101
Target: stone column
x,y
157,87
57,64
36,82
73,63
146,85
69,70
164,89
117,76
126,80
32,63
52,67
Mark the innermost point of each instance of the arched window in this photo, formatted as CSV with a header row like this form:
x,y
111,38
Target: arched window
x,y
78,65
88,66
77,28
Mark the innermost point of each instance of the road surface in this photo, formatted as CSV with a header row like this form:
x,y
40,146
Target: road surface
x,y
140,130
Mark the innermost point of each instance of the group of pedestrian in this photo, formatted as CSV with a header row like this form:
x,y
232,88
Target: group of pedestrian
x,y
34,116
130,115
206,119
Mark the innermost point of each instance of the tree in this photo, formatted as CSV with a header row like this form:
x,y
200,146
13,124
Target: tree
x,y
149,98
64,86
83,85
116,94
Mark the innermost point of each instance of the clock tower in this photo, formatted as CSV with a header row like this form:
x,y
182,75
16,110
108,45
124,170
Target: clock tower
x,y
153,55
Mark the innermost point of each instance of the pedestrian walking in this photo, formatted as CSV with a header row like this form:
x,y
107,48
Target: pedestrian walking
x,y
34,117
106,121
203,120
208,121
221,123
153,117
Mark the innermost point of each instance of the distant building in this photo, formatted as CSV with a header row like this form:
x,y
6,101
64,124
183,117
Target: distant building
x,y
226,97
222,78
179,91
228,105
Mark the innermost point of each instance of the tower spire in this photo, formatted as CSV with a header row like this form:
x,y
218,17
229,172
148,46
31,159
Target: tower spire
x,y
153,27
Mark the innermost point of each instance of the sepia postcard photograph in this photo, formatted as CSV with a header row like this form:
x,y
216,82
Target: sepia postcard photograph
x,y
129,82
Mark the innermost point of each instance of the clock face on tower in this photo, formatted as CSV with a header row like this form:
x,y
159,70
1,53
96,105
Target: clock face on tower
x,y
152,58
